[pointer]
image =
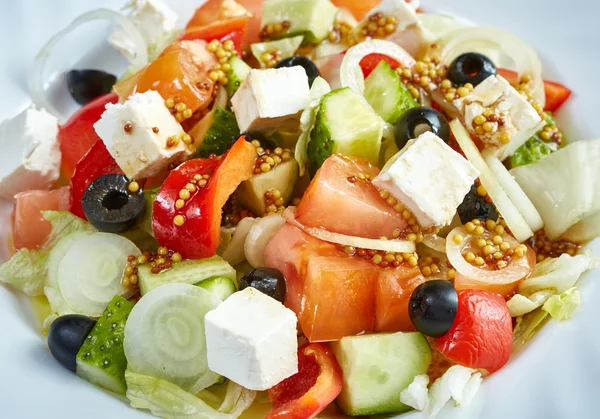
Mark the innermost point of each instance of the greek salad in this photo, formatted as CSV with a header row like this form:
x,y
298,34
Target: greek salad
x,y
298,208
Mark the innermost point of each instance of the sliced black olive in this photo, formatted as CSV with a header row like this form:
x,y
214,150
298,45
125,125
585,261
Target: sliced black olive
x,y
470,67
66,335
475,207
110,206
87,85
311,69
432,307
267,280
418,120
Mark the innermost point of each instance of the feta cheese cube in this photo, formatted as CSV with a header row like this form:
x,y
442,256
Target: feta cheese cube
x,y
521,120
410,33
251,339
267,98
30,157
429,178
142,151
155,22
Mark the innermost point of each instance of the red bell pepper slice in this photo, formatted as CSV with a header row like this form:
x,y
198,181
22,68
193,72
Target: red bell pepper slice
x,y
556,93
77,136
305,394
97,162
199,235
371,61
230,29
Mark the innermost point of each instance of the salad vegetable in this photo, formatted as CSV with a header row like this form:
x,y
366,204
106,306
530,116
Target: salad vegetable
x,y
288,208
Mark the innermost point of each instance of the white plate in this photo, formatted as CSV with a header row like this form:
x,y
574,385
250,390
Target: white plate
x,y
555,377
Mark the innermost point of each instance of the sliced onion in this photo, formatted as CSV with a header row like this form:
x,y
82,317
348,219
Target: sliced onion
x,y
234,252
36,80
435,242
351,73
514,192
497,45
396,246
259,236
514,220
516,270
440,25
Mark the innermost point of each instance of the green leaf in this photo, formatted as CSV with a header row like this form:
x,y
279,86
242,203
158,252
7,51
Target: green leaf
x,y
561,307
527,326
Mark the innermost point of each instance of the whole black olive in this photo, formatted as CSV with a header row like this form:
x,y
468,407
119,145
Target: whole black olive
x,y
412,121
110,206
87,85
267,280
475,207
432,307
306,63
470,67
66,335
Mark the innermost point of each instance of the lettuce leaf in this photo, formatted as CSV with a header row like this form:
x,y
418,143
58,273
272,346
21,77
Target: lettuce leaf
x,y
527,326
168,401
519,304
535,148
561,307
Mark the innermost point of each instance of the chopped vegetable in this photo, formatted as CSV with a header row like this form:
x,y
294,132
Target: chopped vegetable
x,y
561,307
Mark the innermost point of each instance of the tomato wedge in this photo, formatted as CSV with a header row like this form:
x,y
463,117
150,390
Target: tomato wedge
x,y
556,93
194,229
77,136
305,394
481,336
97,162
371,61
230,29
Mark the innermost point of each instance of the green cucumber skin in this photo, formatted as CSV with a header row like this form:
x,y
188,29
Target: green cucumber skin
x,y
221,134
220,286
102,350
376,368
320,146
236,76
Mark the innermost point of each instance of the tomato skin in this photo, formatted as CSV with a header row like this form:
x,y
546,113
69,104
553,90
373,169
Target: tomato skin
x,y
199,236
30,228
96,162
556,93
77,136
481,336
371,61
230,29
305,394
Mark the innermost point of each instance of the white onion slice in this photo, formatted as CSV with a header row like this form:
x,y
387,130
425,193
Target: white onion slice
x,y
36,80
514,192
351,74
396,246
234,252
435,242
497,45
258,237
515,271
514,220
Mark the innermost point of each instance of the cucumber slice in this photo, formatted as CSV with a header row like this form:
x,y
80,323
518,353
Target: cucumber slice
x,y
236,76
145,222
220,286
219,129
311,18
90,273
285,47
376,368
346,124
187,271
164,335
251,193
101,359
386,93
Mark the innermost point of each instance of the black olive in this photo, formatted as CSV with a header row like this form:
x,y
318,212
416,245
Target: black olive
x,y
87,85
470,67
412,121
267,280
475,207
311,69
66,335
110,206
432,307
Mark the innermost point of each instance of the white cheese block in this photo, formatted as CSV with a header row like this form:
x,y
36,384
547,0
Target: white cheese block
x,y
429,178
521,120
267,98
31,154
251,340
141,152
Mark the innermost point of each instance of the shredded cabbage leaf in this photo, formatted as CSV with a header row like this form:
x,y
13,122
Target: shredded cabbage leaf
x,y
168,401
527,326
535,148
561,307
